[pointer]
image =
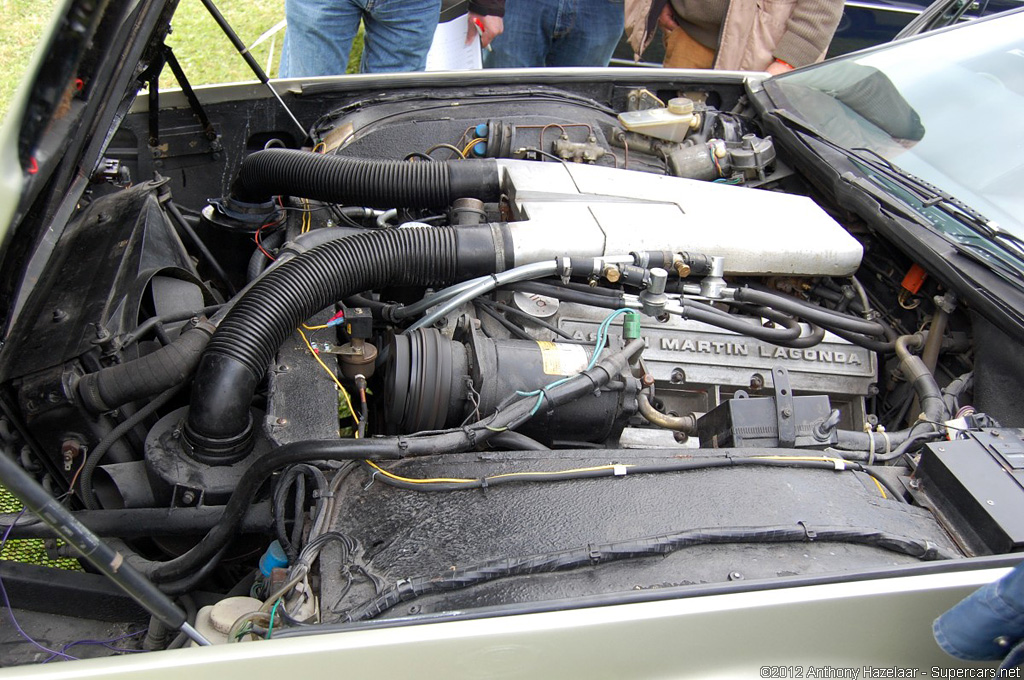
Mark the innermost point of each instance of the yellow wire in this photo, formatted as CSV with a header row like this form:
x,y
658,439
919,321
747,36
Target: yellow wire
x,y
463,480
824,459
307,219
320,147
465,151
558,472
827,460
880,487
315,328
337,382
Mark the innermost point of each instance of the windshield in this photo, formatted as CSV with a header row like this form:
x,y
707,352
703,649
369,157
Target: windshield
x,y
946,108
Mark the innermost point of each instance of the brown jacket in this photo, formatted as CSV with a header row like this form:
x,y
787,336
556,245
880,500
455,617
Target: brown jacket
x,y
754,32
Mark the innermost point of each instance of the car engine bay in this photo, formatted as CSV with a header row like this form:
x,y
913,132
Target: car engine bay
x,y
479,348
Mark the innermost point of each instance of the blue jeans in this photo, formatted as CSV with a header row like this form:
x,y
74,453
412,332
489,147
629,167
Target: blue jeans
x,y
397,37
557,33
988,624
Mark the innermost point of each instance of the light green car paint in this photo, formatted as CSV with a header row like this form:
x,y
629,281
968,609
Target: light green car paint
x,y
11,173
833,630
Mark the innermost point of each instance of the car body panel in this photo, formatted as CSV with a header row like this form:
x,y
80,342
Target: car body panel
x,y
799,632
878,619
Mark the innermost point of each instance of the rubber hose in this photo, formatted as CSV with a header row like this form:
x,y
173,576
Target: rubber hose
x,y
373,183
219,423
811,312
952,392
790,332
929,395
813,338
570,295
818,315
514,441
147,522
259,261
169,366
933,408
94,457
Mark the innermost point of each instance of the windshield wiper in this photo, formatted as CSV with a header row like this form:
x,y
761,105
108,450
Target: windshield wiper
x,y
928,194
986,257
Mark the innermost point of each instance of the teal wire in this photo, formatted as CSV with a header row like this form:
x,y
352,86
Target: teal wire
x,y
602,339
273,612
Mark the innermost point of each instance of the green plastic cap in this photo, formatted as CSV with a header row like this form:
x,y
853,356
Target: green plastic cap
x,y
631,326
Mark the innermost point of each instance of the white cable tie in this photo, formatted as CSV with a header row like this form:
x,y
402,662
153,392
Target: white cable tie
x,y
888,442
871,447
619,470
839,463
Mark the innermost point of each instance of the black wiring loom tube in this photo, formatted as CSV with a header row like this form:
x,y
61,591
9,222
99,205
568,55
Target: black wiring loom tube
x,y
373,183
219,424
664,544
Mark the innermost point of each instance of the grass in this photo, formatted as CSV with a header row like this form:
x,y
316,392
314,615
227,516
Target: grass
x,y
23,24
31,551
205,53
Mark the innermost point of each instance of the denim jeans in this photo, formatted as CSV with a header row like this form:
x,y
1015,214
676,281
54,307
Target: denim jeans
x,y
397,37
988,624
557,33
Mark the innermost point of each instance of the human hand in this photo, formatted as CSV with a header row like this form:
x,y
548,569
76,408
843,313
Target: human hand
x,y
667,19
778,66
490,27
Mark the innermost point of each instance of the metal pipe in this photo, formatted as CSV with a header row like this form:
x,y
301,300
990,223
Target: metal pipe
x,y
486,285
251,61
686,424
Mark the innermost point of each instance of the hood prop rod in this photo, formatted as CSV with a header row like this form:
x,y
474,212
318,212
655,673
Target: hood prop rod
x,y
251,61
92,548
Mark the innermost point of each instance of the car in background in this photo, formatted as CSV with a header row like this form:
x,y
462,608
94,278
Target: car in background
x,y
864,23
555,372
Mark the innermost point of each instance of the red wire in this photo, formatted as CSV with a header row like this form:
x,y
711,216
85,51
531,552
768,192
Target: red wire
x,y
260,245
267,226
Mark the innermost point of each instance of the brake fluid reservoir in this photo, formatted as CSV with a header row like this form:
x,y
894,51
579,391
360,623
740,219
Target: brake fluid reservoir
x,y
671,123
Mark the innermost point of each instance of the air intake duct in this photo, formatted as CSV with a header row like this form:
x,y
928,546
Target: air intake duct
x,y
219,426
362,182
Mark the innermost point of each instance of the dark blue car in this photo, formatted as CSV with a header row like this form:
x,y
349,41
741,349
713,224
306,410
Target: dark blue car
x,y
865,23
871,22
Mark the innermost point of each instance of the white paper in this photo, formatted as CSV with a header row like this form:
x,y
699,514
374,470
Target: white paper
x,y
449,51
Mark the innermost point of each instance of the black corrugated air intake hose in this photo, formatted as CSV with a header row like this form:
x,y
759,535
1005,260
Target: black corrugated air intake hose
x,y
357,181
219,426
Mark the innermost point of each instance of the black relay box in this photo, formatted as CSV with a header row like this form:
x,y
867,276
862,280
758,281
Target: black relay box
x,y
976,487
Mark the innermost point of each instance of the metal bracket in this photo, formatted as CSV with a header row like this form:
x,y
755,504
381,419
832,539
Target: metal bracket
x,y
784,410
159,147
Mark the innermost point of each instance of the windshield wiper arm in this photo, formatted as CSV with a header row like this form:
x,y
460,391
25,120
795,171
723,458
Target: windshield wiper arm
x,y
929,195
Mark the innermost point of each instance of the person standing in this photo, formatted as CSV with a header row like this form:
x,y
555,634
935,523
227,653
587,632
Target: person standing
x,y
397,33
750,35
557,33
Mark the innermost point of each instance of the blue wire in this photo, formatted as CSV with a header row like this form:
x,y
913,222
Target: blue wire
x,y
7,601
